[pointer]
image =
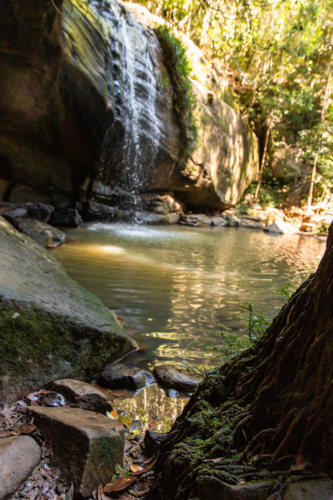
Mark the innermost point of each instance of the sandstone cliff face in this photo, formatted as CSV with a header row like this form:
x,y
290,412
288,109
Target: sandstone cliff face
x,y
87,112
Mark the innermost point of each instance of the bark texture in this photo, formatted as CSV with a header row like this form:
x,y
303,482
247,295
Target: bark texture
x,y
267,412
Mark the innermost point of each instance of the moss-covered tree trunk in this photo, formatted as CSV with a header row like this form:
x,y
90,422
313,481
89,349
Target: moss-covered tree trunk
x,y
268,412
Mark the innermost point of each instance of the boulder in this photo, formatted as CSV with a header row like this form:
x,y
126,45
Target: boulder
x,y
171,219
149,218
322,489
110,122
19,455
120,376
44,234
218,221
51,327
170,378
86,396
283,164
232,220
11,212
196,220
39,211
274,228
88,445
251,224
153,441
68,218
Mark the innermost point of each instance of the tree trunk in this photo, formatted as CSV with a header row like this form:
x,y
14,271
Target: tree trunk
x,y
266,412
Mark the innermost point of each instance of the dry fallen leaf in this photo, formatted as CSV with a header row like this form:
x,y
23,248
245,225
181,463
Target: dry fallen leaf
x,y
119,484
136,468
4,434
153,425
24,428
301,464
115,414
100,492
125,420
106,392
118,394
150,466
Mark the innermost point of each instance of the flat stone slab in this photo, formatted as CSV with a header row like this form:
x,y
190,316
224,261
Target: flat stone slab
x,y
87,444
43,233
171,378
320,489
83,394
19,455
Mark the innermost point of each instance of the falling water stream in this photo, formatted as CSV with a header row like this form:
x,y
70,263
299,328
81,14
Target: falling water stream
x,y
174,285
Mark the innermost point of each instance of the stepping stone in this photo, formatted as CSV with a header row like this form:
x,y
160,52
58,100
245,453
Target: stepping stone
x,y
19,455
171,378
86,396
87,444
119,376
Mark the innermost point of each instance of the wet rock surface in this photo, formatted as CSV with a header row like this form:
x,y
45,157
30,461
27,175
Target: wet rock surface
x,y
111,115
124,377
19,455
44,234
86,396
65,324
69,218
88,445
171,378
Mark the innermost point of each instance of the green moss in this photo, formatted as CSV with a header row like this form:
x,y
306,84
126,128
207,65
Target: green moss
x,y
179,70
34,341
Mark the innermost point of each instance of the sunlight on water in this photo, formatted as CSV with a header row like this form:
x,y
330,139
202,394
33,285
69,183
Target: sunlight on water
x,y
174,285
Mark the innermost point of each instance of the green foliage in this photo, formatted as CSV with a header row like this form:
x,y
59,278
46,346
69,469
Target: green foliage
x,y
179,70
285,292
274,57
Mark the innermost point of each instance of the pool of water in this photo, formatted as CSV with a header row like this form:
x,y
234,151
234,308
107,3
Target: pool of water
x,y
173,285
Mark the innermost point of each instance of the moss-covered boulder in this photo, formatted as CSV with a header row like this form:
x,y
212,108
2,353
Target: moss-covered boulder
x,y
50,327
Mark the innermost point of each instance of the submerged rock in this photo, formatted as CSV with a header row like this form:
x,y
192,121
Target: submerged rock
x,y
87,444
171,378
19,455
86,396
44,234
121,376
51,327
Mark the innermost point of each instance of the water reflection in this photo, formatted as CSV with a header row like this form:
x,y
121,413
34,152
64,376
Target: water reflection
x,y
174,285
152,408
